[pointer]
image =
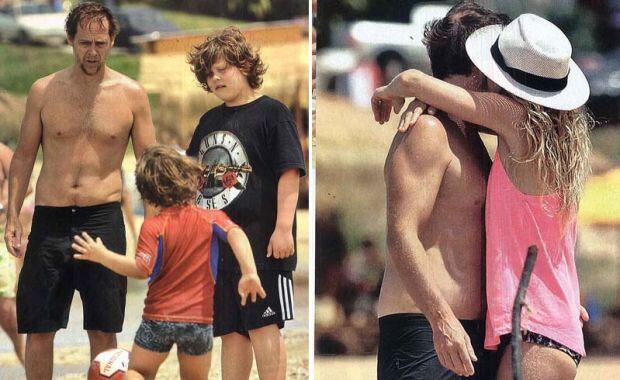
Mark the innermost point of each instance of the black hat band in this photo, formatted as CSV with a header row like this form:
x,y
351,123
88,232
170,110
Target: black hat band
x,y
530,80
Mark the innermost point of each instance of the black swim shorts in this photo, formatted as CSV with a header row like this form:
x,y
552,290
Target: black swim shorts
x,y
230,317
51,275
406,350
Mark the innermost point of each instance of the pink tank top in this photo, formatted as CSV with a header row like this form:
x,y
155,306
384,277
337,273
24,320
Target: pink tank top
x,y
514,221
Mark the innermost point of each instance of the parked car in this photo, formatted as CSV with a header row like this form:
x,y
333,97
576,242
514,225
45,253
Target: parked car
x,y
368,54
9,28
395,46
38,23
141,22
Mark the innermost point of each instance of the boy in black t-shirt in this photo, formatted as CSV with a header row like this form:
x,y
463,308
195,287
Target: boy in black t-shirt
x,y
253,161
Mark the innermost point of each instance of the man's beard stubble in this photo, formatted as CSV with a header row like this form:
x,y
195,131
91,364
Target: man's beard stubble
x,y
83,68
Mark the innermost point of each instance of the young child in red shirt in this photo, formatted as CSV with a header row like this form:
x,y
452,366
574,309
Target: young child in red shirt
x,y
178,252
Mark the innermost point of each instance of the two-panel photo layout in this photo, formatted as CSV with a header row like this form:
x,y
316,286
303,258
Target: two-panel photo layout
x,y
309,189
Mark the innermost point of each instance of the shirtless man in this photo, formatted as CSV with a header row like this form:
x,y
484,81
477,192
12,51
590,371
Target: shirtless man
x,y
431,306
83,117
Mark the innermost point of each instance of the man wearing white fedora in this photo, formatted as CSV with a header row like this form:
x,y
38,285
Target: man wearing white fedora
x,y
535,182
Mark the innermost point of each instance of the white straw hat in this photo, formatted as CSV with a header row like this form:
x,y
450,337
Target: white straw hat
x,y
530,58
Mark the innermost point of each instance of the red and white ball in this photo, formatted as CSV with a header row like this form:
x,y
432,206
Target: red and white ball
x,y
111,364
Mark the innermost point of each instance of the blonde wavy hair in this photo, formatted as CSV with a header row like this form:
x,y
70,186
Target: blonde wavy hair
x,y
166,178
559,143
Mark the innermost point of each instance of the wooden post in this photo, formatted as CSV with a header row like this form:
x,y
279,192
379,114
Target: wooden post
x,y
515,341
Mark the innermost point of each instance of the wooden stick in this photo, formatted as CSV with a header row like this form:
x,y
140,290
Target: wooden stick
x,y
515,341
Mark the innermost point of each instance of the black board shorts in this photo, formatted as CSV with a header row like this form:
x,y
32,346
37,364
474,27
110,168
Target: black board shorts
x,y
230,317
51,275
406,350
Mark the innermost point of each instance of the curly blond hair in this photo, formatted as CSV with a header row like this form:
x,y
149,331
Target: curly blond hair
x,y
166,178
559,144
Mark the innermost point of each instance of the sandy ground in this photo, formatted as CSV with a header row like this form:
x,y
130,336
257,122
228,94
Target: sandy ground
x,y
71,355
328,368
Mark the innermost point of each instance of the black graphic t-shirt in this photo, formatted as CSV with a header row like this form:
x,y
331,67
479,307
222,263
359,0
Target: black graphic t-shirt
x,y
244,150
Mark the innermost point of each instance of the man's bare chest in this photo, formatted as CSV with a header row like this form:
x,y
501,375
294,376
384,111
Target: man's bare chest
x,y
104,115
465,179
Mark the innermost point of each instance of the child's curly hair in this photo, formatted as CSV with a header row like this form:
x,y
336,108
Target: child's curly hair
x,y
166,178
231,45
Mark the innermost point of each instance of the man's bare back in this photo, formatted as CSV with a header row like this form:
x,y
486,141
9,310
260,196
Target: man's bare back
x,y
452,234
85,132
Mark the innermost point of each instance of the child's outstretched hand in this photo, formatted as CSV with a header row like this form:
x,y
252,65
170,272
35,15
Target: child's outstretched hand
x,y
89,249
281,244
249,285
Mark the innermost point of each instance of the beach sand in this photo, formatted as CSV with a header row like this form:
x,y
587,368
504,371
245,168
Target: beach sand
x,y
365,367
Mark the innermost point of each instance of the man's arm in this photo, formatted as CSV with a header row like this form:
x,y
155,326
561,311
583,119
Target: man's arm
x,y
142,131
413,173
281,243
22,164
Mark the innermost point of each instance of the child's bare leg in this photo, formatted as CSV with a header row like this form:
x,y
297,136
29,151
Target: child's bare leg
x,y
194,367
539,363
143,363
8,322
236,357
270,352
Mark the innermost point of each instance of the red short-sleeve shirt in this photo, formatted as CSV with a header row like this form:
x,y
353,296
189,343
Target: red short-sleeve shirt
x,y
178,251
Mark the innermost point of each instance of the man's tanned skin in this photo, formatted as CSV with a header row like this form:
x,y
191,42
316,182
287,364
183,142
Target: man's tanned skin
x,y
436,175
82,117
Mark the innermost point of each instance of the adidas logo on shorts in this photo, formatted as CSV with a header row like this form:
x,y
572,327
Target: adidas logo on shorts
x,y
268,312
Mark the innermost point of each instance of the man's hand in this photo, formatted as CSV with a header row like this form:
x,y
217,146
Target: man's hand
x,y
13,236
89,249
249,285
281,244
412,113
383,101
453,347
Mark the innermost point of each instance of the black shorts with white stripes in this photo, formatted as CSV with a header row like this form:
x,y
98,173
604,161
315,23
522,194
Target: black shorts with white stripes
x,y
228,314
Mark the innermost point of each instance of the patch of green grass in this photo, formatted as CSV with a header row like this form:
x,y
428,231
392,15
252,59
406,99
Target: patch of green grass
x,y
21,65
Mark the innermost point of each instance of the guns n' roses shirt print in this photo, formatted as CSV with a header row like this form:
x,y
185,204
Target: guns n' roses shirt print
x,y
244,149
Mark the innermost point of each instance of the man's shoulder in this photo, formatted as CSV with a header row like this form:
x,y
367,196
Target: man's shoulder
x,y
425,144
427,135
126,83
40,85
